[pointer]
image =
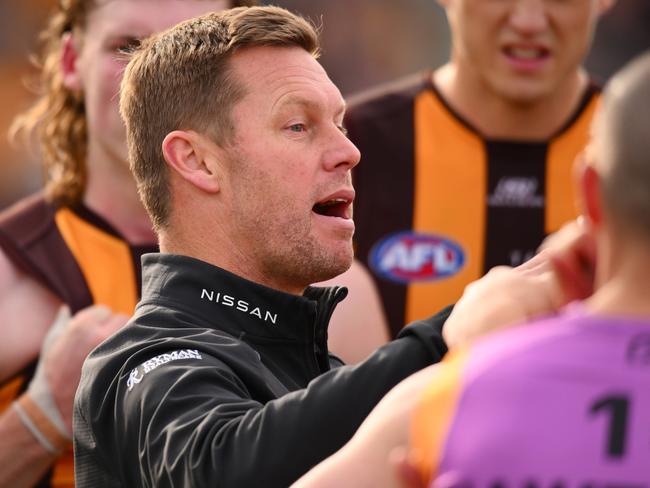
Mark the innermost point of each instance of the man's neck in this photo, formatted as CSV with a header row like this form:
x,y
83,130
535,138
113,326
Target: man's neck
x,y
623,288
216,249
111,193
496,117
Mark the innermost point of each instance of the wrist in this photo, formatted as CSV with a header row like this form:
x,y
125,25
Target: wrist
x,y
40,425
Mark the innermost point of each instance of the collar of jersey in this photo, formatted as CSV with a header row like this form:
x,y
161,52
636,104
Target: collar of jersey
x,y
215,298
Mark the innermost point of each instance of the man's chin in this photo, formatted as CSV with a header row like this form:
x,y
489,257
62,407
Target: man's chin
x,y
333,267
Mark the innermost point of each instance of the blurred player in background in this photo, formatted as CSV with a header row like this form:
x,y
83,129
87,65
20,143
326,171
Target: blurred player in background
x,y
79,242
469,167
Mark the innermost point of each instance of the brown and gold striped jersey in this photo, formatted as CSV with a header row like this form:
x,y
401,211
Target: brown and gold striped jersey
x,y
438,204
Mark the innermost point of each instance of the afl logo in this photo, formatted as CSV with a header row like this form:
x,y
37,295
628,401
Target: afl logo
x,y
408,257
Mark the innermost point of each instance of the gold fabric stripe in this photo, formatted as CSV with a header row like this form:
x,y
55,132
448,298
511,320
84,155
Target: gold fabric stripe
x,y
434,414
9,392
105,262
450,195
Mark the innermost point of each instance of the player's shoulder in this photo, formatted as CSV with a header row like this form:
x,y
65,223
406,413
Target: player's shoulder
x,y
25,219
528,345
388,97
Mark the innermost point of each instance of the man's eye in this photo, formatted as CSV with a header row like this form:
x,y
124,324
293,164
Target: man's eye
x,y
127,46
297,127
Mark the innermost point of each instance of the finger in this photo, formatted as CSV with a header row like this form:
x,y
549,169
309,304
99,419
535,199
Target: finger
x,y
574,281
538,264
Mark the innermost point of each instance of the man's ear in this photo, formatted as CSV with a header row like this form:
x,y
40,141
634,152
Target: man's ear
x,y
590,191
193,158
69,58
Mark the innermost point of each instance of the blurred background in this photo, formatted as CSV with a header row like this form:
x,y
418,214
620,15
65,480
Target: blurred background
x,y
365,42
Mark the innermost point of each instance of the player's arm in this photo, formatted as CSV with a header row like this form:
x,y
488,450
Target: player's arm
x,y
220,427
365,460
358,326
36,428
27,310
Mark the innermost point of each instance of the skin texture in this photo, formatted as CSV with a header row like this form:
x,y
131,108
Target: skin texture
x,y
93,64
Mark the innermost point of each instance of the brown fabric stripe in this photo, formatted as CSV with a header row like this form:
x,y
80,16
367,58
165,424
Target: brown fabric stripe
x,y
30,238
383,132
43,423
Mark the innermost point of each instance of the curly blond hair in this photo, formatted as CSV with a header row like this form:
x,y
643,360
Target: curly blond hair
x,y
57,120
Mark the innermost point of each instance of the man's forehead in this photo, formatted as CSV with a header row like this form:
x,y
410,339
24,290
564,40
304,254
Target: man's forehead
x,y
284,75
140,18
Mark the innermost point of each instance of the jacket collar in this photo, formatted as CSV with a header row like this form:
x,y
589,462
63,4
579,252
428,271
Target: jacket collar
x,y
225,301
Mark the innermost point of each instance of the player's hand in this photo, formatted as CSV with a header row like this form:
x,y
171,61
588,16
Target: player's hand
x,y
561,272
573,257
503,297
65,347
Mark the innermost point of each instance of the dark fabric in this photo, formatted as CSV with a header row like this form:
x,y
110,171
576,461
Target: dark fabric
x,y
515,223
386,200
264,402
31,240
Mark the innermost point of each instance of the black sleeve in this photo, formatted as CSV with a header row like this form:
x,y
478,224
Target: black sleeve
x,y
195,423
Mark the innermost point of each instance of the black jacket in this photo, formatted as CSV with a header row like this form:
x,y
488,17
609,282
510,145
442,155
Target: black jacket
x,y
221,382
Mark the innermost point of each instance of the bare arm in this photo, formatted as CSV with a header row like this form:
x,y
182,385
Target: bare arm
x,y
358,325
26,310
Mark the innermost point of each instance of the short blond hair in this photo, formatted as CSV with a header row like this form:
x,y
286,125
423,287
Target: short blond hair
x,y
182,79
58,118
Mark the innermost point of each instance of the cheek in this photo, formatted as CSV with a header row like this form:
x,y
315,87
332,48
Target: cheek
x,y
477,34
101,92
578,35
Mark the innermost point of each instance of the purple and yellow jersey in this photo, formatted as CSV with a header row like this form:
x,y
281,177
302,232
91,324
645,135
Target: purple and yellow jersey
x,y
562,403
437,201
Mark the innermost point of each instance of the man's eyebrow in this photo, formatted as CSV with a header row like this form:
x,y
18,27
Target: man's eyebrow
x,y
305,102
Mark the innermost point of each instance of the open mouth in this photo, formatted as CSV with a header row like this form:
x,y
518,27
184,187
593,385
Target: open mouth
x,y
334,207
528,53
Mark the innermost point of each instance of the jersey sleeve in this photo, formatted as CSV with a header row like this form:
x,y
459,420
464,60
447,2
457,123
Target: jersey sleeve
x,y
434,414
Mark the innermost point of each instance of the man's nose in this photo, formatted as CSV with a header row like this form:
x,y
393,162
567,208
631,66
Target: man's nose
x,y
341,153
529,17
